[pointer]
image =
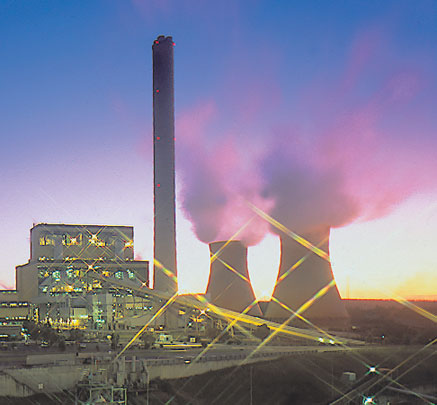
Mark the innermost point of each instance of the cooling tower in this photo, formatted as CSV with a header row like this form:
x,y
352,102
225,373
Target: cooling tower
x,y
164,268
229,284
308,275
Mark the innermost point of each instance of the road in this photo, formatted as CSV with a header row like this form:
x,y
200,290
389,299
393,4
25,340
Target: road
x,y
17,357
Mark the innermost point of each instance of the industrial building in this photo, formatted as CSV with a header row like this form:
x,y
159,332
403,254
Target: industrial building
x,y
68,276
13,312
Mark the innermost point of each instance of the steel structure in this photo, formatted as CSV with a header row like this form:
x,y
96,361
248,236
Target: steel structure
x,y
90,393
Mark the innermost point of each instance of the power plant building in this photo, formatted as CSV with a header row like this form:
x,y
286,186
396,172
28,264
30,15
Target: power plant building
x,y
69,273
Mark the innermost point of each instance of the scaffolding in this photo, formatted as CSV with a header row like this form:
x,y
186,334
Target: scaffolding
x,y
90,393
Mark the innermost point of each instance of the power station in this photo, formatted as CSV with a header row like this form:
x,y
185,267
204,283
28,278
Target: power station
x,y
229,283
86,275
302,274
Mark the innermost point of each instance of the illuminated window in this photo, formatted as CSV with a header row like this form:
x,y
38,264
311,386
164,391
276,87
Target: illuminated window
x,y
46,240
43,273
130,274
94,240
69,240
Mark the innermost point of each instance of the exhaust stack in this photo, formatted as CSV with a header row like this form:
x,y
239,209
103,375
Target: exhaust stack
x,y
229,284
164,268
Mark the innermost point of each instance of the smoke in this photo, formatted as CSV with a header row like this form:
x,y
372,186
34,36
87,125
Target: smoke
x,y
306,197
348,165
217,179
355,146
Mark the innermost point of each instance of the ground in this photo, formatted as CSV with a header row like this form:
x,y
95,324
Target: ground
x,y
310,379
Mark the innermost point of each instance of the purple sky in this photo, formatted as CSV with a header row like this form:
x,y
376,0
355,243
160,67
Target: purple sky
x,y
317,112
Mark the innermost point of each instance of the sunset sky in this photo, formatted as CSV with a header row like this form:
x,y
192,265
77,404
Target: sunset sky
x,y
317,112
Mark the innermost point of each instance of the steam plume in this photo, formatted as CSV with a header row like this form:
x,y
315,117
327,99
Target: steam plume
x,y
351,150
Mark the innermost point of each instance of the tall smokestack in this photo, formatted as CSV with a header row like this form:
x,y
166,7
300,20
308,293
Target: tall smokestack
x,y
229,285
164,268
303,275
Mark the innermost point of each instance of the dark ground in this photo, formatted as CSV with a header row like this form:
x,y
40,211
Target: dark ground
x,y
306,380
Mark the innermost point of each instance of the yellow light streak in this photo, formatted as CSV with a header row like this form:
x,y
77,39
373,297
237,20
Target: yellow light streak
x,y
140,332
228,266
302,308
352,352
223,313
167,272
417,394
296,265
290,233
251,320
215,255
215,340
426,314
292,268
388,375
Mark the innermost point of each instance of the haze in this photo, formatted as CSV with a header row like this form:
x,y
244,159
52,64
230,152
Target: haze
x,y
334,124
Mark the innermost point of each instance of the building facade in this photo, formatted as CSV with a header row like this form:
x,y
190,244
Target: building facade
x,y
69,273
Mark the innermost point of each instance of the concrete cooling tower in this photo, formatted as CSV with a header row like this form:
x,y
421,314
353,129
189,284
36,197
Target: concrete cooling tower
x,y
229,284
303,275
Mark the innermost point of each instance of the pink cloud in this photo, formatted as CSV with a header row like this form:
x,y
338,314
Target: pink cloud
x,y
354,161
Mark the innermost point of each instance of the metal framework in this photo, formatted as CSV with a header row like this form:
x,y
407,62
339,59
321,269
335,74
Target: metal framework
x,y
90,393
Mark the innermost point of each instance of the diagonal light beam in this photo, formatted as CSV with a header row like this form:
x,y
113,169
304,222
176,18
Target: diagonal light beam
x,y
140,332
290,233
